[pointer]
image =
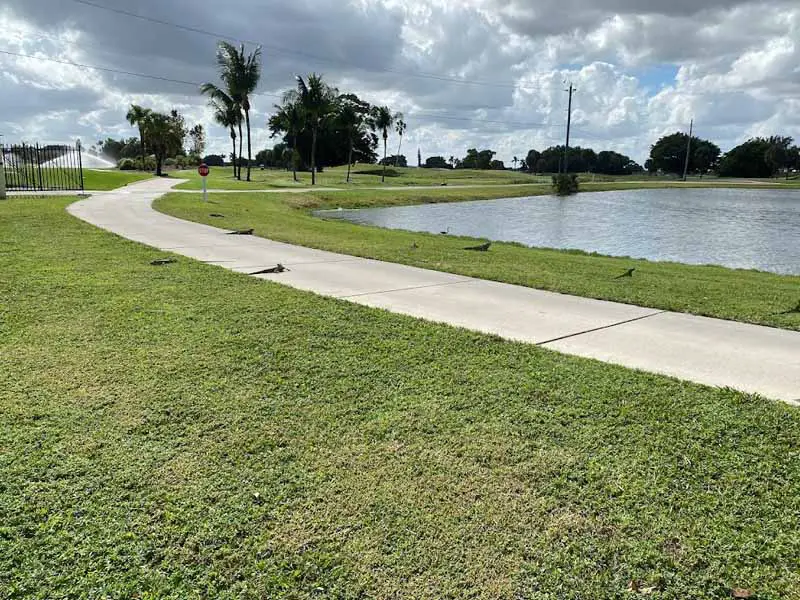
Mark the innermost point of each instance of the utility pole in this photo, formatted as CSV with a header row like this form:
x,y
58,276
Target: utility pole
x,y
571,90
688,151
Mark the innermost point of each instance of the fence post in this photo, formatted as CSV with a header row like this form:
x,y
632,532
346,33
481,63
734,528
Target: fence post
x,y
2,174
39,166
80,163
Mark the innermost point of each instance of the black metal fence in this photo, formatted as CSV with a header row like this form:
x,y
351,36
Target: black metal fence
x,y
42,168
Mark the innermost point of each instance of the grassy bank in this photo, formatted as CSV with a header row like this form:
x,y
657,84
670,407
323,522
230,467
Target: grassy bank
x,y
370,176
186,432
748,296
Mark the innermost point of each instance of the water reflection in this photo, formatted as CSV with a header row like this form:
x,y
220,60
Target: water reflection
x,y
740,228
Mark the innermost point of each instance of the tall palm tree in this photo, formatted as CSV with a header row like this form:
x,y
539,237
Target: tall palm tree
x,y
240,73
400,127
292,119
233,109
318,100
382,120
137,116
227,114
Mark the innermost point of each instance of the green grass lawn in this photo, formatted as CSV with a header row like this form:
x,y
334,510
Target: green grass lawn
x,y
361,175
102,180
94,180
187,432
740,295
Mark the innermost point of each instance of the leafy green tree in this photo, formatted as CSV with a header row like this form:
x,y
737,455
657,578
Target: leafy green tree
x,y
532,160
118,149
437,162
290,118
136,117
613,163
165,136
669,154
227,114
400,127
352,118
318,101
477,160
395,160
382,120
759,158
778,155
214,160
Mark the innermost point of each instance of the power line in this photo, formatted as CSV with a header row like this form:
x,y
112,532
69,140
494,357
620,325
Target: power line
x,y
196,85
315,57
110,70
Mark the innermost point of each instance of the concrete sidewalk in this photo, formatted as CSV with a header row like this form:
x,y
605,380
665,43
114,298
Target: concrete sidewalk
x,y
711,351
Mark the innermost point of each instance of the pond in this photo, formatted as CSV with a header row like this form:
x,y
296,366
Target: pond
x,y
738,228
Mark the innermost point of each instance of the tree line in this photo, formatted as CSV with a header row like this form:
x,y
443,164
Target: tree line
x,y
186,147
757,157
161,135
548,161
319,126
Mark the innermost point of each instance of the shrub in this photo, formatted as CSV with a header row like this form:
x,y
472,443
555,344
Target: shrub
x,y
128,164
214,160
565,184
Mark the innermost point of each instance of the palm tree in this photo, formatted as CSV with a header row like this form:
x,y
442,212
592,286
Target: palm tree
x,y
227,114
291,119
382,120
137,116
240,73
400,127
318,101
515,160
221,99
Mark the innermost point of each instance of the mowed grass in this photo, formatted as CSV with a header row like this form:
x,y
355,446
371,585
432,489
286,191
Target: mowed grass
x,y
739,295
187,432
361,176
103,180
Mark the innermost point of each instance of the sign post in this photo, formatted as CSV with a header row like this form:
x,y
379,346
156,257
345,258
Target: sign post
x,y
203,170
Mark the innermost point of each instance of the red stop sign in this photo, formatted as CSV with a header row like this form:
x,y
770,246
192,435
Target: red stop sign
x,y
203,170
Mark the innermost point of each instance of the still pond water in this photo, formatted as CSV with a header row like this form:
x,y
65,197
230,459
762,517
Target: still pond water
x,y
740,228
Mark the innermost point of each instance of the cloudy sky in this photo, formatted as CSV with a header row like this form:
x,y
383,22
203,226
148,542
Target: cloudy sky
x,y
466,73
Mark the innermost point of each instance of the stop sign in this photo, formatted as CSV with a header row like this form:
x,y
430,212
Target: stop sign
x,y
203,170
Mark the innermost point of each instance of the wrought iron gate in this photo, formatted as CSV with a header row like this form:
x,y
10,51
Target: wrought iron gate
x,y
42,168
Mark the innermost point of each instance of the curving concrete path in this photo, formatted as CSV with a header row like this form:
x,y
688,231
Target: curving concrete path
x,y
750,358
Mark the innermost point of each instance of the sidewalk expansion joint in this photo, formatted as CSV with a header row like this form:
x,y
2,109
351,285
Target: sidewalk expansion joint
x,y
404,289
618,323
